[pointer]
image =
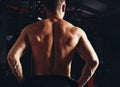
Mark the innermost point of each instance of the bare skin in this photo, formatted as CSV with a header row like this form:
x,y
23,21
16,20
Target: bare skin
x,y
53,42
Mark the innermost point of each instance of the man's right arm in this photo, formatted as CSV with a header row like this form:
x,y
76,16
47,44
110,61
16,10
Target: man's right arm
x,y
90,57
15,54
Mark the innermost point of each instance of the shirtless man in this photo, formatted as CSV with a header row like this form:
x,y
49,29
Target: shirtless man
x,y
53,42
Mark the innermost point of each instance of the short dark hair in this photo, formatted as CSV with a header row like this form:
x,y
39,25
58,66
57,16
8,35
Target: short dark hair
x,y
53,5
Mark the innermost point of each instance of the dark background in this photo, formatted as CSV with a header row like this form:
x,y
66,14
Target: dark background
x,y
100,19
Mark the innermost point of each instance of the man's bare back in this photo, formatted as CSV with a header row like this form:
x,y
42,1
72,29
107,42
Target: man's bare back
x,y
53,43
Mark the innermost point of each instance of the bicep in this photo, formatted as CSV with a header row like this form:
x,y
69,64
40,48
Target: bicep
x,y
19,46
85,49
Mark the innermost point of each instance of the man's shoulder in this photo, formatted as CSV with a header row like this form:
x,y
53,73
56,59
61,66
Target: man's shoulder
x,y
32,25
27,28
74,26
67,22
71,25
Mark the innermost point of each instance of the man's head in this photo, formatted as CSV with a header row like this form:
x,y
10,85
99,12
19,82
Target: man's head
x,y
54,6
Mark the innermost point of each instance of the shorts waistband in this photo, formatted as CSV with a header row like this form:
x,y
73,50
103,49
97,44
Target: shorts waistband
x,y
57,77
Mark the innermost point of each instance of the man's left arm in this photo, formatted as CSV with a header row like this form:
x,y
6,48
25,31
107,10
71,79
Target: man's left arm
x,y
88,54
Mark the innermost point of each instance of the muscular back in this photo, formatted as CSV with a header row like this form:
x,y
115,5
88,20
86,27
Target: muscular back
x,y
53,43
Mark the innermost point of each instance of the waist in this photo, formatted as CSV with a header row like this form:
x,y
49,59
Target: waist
x,y
45,77
55,73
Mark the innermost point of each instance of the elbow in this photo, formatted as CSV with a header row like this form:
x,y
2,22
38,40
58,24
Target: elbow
x,y
93,65
12,61
10,58
97,62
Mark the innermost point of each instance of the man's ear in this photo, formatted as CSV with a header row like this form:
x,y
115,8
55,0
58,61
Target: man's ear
x,y
63,8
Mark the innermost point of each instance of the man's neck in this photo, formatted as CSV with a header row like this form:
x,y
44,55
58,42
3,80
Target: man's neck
x,y
54,15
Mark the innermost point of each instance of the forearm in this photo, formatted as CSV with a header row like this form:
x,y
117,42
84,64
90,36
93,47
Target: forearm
x,y
16,68
85,76
87,73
